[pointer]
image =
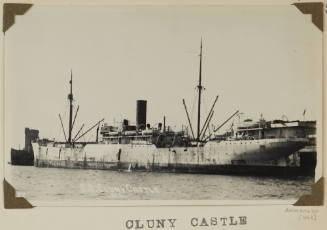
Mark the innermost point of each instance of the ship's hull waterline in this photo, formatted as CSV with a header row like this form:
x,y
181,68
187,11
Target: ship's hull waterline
x,y
213,158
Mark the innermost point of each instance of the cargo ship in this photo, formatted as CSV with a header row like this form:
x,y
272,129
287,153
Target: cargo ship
x,y
262,147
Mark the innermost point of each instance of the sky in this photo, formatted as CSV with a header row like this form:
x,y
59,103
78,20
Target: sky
x,y
259,60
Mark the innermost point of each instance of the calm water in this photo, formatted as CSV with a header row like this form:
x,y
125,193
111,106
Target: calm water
x,y
74,184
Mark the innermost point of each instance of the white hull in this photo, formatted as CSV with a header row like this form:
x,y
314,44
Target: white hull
x,y
112,156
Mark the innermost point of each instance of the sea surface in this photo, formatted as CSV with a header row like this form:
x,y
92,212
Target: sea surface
x,y
52,184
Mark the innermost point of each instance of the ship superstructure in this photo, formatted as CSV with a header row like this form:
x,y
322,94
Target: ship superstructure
x,y
143,133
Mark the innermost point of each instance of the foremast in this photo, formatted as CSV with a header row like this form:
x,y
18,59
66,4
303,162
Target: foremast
x,y
70,98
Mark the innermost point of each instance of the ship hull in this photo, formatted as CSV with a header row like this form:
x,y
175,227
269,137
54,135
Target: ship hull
x,y
241,157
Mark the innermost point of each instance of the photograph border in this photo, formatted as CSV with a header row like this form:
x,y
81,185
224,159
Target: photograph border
x,y
316,9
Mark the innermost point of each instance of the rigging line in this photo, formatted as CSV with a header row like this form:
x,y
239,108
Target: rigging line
x,y
193,107
223,124
211,110
75,118
63,129
210,129
63,119
226,121
57,132
204,109
78,132
89,129
206,122
188,118
207,125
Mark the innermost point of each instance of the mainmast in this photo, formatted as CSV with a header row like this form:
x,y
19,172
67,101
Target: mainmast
x,y
70,98
199,99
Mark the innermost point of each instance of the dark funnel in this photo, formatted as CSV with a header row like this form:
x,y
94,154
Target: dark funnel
x,y
140,114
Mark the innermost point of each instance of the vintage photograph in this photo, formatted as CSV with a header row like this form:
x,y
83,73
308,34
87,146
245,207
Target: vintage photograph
x,y
163,103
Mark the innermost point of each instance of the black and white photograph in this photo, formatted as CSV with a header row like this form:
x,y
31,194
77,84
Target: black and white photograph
x,y
194,104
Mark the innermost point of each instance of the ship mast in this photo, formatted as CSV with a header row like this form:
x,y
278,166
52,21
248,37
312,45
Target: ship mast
x,y
70,98
199,98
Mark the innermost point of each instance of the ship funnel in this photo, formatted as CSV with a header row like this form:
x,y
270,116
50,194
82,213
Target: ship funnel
x,y
141,114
